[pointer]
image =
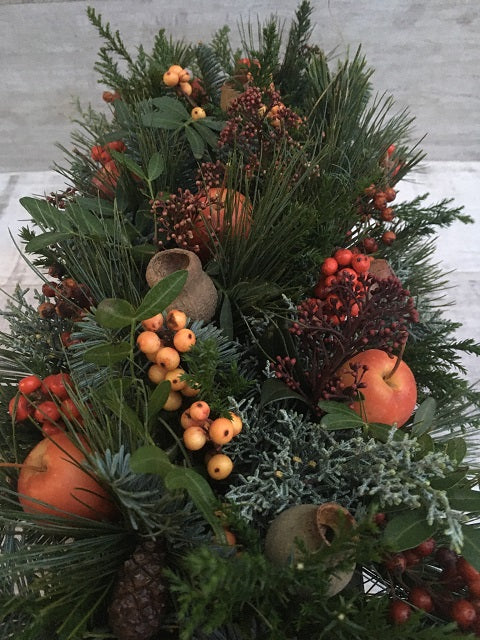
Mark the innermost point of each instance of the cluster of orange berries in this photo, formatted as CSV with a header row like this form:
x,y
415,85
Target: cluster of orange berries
x,y
200,430
46,401
72,300
178,76
105,179
162,341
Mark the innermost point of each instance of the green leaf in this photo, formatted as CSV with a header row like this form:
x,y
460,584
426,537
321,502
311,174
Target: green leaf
x,y
84,220
129,163
424,416
382,432
196,143
45,215
338,416
158,398
471,545
161,295
171,106
44,240
448,481
464,499
96,204
213,124
156,166
274,390
156,120
209,137
150,459
456,449
114,313
407,530
226,317
200,493
144,250
112,394
105,355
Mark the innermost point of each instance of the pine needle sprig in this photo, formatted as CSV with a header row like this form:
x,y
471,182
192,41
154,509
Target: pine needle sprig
x,y
211,72
220,44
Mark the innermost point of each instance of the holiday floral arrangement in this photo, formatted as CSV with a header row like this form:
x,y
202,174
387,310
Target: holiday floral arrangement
x,y
236,410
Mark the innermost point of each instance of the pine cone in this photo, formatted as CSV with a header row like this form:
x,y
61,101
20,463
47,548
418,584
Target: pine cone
x,y
138,602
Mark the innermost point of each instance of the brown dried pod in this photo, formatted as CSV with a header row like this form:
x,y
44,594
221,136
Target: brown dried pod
x,y
227,96
315,526
198,298
381,269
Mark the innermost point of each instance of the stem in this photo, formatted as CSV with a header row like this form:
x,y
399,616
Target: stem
x,y
397,363
18,465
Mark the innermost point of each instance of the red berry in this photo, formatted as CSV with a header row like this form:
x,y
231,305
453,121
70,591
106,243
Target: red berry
x,y
399,612
463,612
343,257
380,201
411,557
348,274
56,384
390,194
361,263
370,245
48,290
467,571
387,214
425,548
421,599
395,563
329,266
47,410
380,519
474,588
29,384
389,237
69,409
391,150
19,407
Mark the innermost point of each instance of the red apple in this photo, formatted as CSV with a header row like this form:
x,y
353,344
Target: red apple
x,y
51,474
389,399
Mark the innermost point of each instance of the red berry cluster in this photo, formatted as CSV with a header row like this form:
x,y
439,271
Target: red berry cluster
x,y
72,300
105,179
46,401
176,216
437,581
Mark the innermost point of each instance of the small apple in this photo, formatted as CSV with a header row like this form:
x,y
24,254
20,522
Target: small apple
x,y
389,398
51,475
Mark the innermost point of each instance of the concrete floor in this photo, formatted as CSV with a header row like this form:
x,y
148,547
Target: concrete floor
x,y
458,247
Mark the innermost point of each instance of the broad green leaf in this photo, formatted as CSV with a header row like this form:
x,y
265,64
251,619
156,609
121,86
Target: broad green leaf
x,y
158,121
226,317
464,499
196,142
158,398
161,295
105,355
129,163
424,417
407,530
213,124
448,481
44,240
200,493
144,250
274,390
427,445
156,166
471,545
382,432
338,416
84,220
150,459
114,313
45,215
208,135
456,449
96,204
171,106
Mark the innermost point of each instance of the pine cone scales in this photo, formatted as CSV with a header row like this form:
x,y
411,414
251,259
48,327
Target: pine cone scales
x,y
138,602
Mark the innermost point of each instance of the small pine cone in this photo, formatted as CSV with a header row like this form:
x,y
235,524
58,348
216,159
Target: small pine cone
x,y
138,601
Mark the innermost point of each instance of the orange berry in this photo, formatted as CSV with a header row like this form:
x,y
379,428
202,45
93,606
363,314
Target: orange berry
x,y
194,438
174,377
176,68
148,342
185,77
236,423
230,537
219,466
186,87
329,266
176,320
168,358
190,392
153,356
221,431
200,411
187,421
155,323
184,340
69,409
198,113
170,78
174,401
156,374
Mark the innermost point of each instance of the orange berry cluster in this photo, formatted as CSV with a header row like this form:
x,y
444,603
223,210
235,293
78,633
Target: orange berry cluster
x,y
162,345
46,401
105,179
72,300
178,76
200,430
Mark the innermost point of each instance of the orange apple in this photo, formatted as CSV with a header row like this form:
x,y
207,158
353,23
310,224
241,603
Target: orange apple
x,y
388,398
51,474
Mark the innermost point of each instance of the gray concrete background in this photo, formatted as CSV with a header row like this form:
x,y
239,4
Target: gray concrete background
x,y
427,54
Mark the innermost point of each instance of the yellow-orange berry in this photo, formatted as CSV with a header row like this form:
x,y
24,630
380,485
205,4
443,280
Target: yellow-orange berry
x,y
184,340
190,392
148,342
176,320
199,411
186,87
186,420
168,358
174,377
236,423
194,438
156,374
153,356
219,466
173,402
198,113
176,68
155,323
170,78
221,431
185,77
230,537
